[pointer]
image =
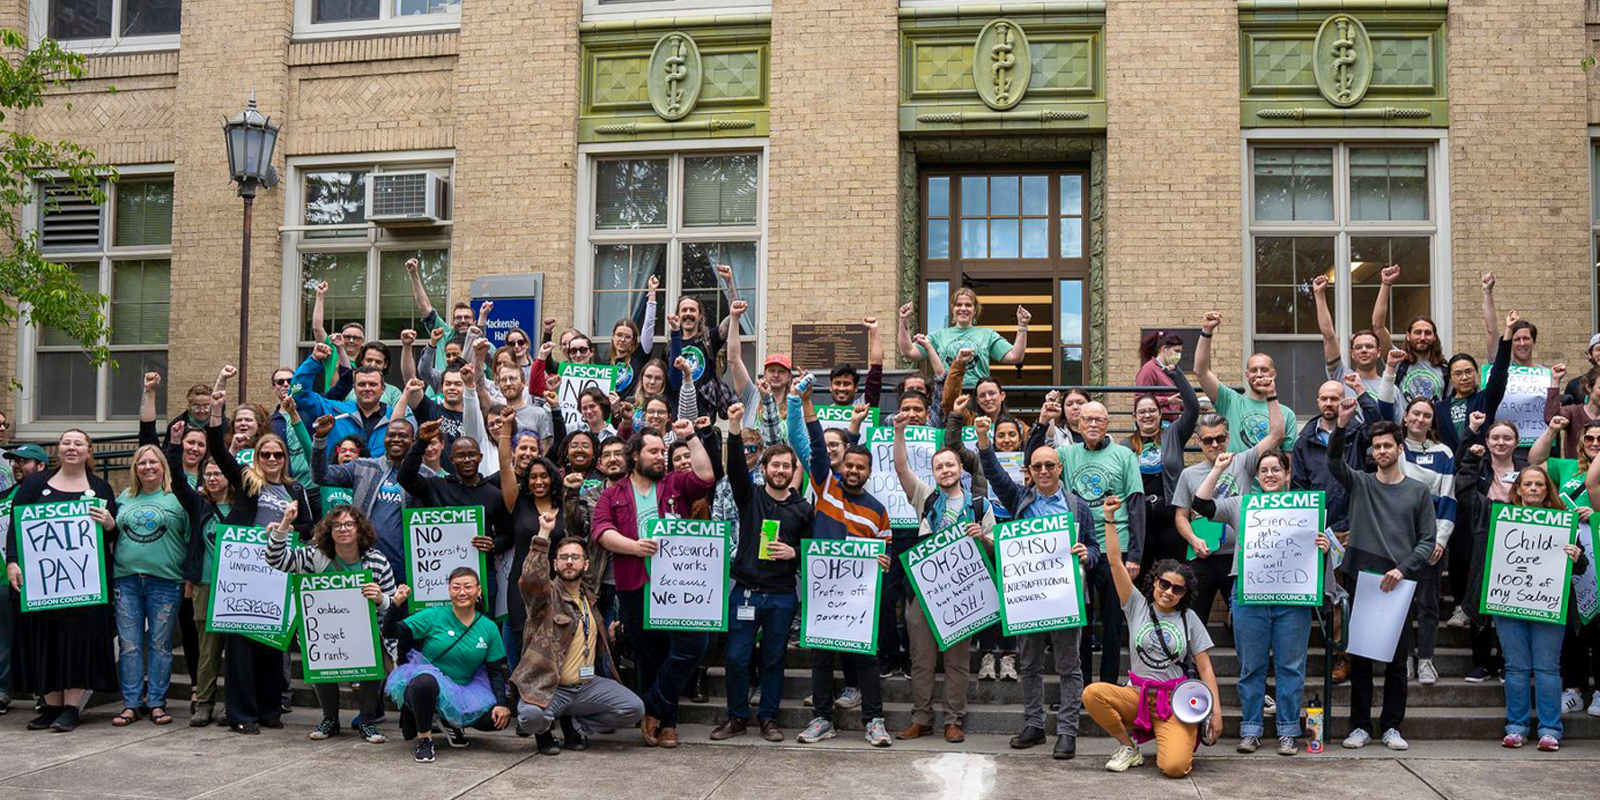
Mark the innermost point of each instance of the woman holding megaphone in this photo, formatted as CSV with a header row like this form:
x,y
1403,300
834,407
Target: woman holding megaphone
x,y
1169,645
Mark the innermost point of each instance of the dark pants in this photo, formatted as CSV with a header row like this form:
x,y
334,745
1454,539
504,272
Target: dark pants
x,y
1161,537
422,700
666,659
1580,655
253,679
773,612
1394,683
1102,595
369,698
1458,565
649,647
893,646
1211,577
866,668
191,640
1425,608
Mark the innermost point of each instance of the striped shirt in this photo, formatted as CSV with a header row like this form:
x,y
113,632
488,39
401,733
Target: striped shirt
x,y
309,560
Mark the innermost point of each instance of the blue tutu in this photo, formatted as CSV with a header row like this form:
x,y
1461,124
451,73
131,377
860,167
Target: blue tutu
x,y
459,704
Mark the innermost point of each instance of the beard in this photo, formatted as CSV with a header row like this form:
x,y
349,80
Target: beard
x,y
654,472
780,481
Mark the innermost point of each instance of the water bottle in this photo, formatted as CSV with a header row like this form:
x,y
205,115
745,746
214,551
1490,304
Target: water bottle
x,y
1314,725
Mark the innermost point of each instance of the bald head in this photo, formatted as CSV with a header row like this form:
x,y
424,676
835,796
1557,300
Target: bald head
x,y
1328,397
1261,376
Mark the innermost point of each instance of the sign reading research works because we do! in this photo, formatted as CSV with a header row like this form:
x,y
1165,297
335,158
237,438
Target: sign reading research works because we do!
x,y
689,574
1526,572
437,541
61,551
955,584
248,595
1523,404
1277,557
1041,581
921,443
841,582
577,379
338,628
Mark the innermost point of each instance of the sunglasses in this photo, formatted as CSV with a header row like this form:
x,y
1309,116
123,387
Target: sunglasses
x,y
579,350
1165,585
1213,440
1044,466
269,456
280,381
752,449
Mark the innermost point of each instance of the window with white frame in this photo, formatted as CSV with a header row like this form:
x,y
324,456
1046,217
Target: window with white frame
x,y
605,8
675,216
330,239
317,18
121,249
1343,210
108,24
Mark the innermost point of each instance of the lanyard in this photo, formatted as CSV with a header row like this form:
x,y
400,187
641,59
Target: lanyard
x,y
583,618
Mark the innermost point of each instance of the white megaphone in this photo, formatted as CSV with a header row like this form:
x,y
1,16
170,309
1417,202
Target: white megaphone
x,y
1191,702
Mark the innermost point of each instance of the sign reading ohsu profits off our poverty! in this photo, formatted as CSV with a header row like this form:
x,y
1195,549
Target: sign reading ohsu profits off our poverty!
x,y
1526,572
61,551
954,583
1277,557
248,595
339,628
1041,581
689,573
884,484
841,583
575,380
437,541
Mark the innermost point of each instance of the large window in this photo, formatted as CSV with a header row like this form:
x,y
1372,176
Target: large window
x,y
122,250
675,216
333,18
330,239
105,24
1344,211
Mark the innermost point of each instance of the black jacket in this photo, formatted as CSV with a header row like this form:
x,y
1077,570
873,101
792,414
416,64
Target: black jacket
x,y
792,513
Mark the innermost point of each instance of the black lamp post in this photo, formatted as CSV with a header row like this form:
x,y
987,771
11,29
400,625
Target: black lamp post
x,y
251,138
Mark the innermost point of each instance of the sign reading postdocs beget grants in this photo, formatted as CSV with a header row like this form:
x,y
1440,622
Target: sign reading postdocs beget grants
x,y
339,628
689,574
1277,557
1041,581
1526,572
437,542
955,584
61,551
839,602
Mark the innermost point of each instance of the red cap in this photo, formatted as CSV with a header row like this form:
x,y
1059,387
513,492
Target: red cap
x,y
779,359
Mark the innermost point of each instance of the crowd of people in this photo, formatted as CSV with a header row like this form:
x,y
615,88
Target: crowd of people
x,y
1405,444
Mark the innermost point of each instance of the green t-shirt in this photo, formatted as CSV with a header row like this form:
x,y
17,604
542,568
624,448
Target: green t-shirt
x,y
1092,474
645,509
457,650
152,536
1247,421
1570,480
208,562
986,346
5,518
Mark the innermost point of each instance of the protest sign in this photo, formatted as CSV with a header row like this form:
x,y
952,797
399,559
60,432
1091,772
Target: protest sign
x,y
839,416
575,380
1041,581
1277,557
1377,616
1523,404
338,629
437,541
1586,584
248,595
884,484
281,639
955,584
689,574
839,603
61,551
1526,572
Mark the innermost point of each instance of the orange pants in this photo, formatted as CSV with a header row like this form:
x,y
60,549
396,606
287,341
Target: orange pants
x,y
1115,708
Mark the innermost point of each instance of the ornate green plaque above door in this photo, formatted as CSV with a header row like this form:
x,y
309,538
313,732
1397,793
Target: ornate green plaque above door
x,y
674,76
1001,64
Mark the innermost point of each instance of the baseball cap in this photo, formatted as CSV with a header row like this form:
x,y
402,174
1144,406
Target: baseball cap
x,y
1594,340
779,359
28,451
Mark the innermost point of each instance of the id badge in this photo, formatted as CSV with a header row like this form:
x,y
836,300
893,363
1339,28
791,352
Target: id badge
x,y
745,613
586,672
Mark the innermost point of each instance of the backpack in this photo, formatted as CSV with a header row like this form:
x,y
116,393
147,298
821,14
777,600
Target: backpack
x,y
979,508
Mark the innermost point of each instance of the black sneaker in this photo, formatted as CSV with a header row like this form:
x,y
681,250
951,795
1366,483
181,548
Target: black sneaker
x,y
455,736
371,733
545,743
1476,675
47,715
327,728
246,728
571,739
67,721
424,751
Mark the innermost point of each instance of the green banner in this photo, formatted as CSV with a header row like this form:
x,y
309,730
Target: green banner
x,y
839,416
954,583
1526,572
689,576
841,585
338,628
1041,581
62,553
1276,558
575,378
437,541
247,594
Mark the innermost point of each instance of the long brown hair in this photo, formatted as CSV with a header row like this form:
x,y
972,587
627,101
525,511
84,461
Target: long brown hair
x,y
322,533
254,478
1552,495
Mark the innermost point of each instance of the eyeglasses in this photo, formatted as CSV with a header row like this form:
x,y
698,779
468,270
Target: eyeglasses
x,y
269,456
347,525
752,449
1165,585
280,381
574,557
578,351
1214,440
1044,466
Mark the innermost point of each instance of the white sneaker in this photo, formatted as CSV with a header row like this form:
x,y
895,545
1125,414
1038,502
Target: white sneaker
x,y
1268,704
806,702
1008,668
1394,741
1357,739
1124,758
1571,701
849,698
986,668
1594,705
1427,674
1458,618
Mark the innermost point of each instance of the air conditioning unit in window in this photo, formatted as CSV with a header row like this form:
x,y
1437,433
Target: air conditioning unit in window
x,y
417,198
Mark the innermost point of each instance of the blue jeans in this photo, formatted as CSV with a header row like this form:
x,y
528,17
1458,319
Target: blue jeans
x,y
1533,656
147,613
773,613
1281,632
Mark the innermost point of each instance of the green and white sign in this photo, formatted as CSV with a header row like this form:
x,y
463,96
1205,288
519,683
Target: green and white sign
x,y
954,583
689,576
1586,584
1277,558
1041,581
62,553
841,583
247,594
281,640
575,380
1523,404
921,443
839,416
437,541
338,628
1526,572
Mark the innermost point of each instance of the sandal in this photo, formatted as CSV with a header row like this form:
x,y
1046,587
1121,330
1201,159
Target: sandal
x,y
159,716
126,718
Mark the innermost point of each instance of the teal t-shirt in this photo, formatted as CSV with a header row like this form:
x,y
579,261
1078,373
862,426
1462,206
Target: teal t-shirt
x,y
208,562
457,650
1570,480
1093,474
1247,421
986,346
645,509
152,535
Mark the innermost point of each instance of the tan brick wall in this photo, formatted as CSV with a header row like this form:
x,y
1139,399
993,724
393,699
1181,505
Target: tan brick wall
x,y
1519,189
373,95
833,192
1172,174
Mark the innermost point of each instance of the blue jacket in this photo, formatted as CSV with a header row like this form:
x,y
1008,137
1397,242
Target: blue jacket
x,y
1019,499
347,418
1308,470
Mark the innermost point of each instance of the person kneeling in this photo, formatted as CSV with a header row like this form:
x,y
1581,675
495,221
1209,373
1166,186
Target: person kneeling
x,y
454,665
566,668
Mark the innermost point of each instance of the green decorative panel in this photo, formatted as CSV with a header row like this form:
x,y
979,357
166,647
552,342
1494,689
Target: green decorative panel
x,y
1332,63
1066,64
942,67
674,78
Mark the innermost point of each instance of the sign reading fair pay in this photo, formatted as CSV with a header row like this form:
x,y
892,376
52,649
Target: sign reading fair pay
x,y
60,549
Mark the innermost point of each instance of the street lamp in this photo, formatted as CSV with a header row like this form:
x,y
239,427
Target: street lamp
x,y
251,138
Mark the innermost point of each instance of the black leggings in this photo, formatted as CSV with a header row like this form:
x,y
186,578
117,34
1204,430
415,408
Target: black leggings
x,y
422,699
